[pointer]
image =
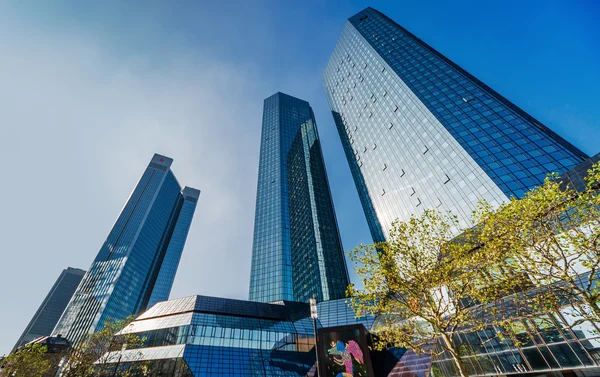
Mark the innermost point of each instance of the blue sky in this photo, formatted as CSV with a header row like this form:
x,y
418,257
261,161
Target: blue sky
x,y
90,89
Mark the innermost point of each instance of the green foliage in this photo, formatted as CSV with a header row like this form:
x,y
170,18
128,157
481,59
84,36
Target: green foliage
x,y
91,356
552,236
426,284
29,361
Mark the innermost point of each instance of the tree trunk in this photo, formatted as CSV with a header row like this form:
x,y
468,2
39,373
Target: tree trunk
x,y
593,304
453,349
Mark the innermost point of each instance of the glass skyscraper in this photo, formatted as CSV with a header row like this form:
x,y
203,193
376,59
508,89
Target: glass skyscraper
x,y
164,282
49,312
136,265
419,132
297,251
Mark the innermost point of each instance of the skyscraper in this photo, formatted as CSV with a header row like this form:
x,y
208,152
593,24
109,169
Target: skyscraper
x,y
297,251
136,264
49,312
166,275
420,132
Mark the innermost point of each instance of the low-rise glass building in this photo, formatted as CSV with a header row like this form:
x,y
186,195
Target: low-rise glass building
x,y
209,336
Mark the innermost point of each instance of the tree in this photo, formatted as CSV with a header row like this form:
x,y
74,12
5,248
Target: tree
x,y
426,285
526,258
552,235
92,356
29,361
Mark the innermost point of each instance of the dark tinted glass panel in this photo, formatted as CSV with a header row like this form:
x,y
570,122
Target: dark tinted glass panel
x,y
565,355
535,358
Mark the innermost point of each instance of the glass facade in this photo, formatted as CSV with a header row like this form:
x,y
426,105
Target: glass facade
x,y
138,260
52,307
550,342
209,336
166,275
419,132
575,178
297,251
335,313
